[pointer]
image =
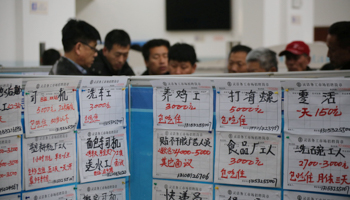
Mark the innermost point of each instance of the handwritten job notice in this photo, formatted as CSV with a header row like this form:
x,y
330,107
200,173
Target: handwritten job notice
x,y
183,104
51,107
102,102
10,107
317,106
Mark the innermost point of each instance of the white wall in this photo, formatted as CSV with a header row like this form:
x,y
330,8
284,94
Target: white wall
x,y
145,20
255,23
8,32
22,31
44,28
329,11
300,21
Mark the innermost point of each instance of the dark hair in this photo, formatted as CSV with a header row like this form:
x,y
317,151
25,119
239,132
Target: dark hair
x,y
239,48
78,31
183,53
50,56
135,47
117,36
342,31
153,43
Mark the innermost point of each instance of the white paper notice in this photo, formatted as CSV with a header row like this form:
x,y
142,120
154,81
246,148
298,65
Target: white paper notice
x,y
185,155
317,107
319,164
10,165
248,105
289,195
241,193
182,104
111,190
59,193
10,107
102,102
49,160
103,154
11,197
166,190
248,159
51,107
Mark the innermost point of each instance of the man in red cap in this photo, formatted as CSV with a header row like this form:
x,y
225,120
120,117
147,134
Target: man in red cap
x,y
297,56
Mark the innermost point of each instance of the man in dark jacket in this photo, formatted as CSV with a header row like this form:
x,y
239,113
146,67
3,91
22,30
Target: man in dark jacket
x,y
338,42
155,55
297,56
111,60
79,41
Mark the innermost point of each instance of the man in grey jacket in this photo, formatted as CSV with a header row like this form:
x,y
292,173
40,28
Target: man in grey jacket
x,y
79,41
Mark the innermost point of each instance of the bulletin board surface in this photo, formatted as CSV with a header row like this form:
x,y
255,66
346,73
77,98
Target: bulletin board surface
x,y
141,151
73,187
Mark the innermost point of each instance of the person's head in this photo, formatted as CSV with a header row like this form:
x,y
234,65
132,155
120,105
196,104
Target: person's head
x,y
116,48
262,60
236,59
79,41
155,54
338,42
182,59
297,56
50,56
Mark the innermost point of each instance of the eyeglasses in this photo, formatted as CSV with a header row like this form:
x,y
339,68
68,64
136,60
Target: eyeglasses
x,y
92,48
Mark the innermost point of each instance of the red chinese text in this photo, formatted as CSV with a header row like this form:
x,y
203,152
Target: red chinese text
x,y
101,105
169,151
320,112
240,173
184,107
246,161
245,109
91,118
169,120
176,163
241,120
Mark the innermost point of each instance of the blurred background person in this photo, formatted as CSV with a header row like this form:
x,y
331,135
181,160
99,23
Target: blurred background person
x,y
262,60
182,59
111,60
79,41
155,55
50,56
237,59
297,56
338,42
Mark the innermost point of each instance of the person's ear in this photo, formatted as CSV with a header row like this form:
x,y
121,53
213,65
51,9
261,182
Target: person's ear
x,y
273,69
146,64
78,48
105,51
308,59
194,66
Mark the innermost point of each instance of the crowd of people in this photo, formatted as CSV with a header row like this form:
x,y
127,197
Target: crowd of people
x,y
81,57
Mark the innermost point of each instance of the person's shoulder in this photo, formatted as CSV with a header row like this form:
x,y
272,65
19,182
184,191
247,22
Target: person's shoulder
x,y
64,67
126,70
99,66
310,69
145,73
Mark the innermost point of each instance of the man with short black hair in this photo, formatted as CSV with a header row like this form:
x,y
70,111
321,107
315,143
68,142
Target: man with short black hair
x,y
262,60
111,60
297,56
50,57
237,59
79,41
182,59
155,55
338,42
